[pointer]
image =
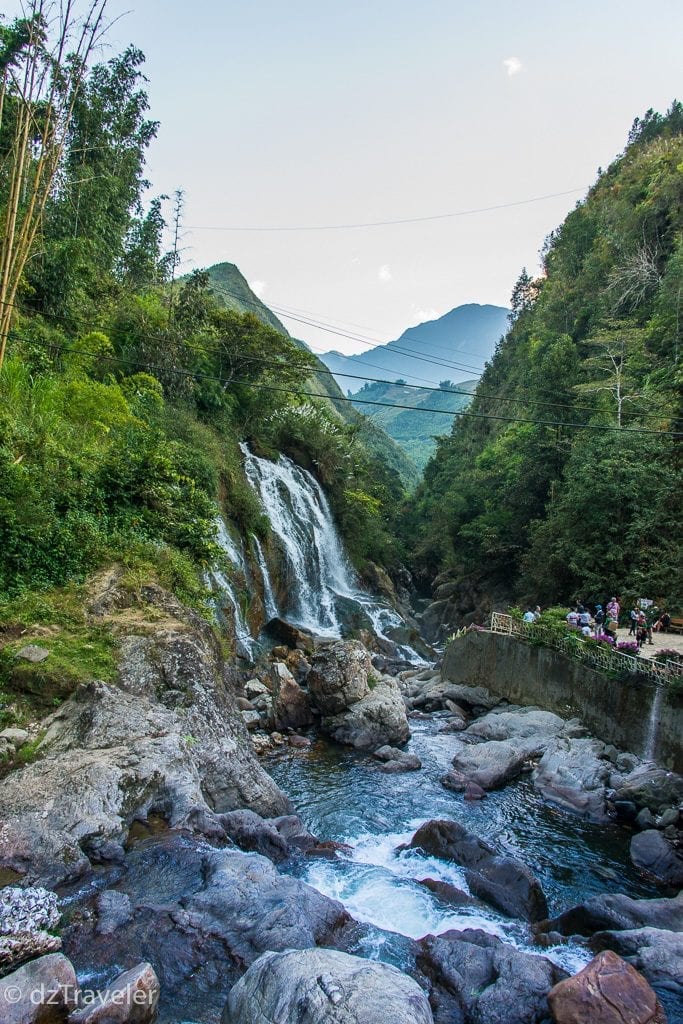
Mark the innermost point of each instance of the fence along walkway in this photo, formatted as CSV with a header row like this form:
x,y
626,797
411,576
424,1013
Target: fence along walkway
x,y
597,655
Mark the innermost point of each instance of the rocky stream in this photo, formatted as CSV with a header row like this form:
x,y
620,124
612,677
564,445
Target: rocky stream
x,y
325,829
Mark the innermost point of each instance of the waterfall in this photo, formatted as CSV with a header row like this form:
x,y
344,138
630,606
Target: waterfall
x,y
321,582
225,591
653,723
269,602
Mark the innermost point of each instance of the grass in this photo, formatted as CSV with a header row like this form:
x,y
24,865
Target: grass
x,y
79,651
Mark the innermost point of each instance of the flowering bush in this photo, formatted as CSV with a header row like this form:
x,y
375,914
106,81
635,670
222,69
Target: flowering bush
x,y
628,647
605,638
669,654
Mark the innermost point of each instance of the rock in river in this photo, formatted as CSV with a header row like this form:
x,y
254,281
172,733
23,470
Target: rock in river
x,y
655,855
317,986
607,991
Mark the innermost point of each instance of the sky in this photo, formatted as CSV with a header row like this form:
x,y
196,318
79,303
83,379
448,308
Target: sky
x,y
313,113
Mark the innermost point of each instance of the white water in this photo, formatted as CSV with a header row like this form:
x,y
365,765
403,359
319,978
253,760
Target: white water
x,y
320,575
225,590
269,601
653,724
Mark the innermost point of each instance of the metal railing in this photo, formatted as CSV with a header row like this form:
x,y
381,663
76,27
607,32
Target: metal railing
x,y
601,656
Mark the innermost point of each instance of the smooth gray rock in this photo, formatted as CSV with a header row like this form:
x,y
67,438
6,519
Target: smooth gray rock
x,y
503,881
522,723
378,719
651,787
574,773
321,986
339,676
615,911
655,855
33,653
475,977
27,916
17,737
493,764
52,975
254,834
397,760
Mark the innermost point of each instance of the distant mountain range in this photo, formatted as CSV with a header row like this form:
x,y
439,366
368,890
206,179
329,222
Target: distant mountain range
x,y
454,347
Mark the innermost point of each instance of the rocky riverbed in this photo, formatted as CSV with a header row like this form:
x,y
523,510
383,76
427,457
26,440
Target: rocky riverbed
x,y
157,867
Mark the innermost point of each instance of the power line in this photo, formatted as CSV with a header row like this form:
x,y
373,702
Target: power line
x,y
389,405
388,223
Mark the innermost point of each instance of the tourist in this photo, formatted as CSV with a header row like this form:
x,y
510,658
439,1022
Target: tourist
x,y
663,622
598,619
613,609
611,625
641,630
572,618
584,617
537,612
586,630
529,616
633,620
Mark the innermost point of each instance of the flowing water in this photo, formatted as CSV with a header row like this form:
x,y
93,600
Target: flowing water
x,y
225,593
344,795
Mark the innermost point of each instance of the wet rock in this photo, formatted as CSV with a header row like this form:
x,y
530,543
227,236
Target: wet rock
x,y
615,911
607,991
449,893
645,818
318,986
27,916
657,954
502,881
201,916
670,816
131,999
436,693
33,653
655,855
378,719
651,787
339,676
397,760
327,849
475,976
299,742
493,764
573,773
113,909
291,636
291,709
252,833
625,810
166,738
52,975
293,830
520,723
474,792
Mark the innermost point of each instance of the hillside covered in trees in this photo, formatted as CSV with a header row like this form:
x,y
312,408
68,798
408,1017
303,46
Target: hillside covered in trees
x,y
124,392
566,478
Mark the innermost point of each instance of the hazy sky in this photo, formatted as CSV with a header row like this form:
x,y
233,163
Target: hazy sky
x,y
312,113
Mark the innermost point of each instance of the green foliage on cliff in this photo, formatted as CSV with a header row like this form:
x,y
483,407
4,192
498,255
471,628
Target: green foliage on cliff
x,y
124,397
549,510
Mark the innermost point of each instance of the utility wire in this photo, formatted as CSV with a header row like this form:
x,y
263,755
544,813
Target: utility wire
x,y
387,223
195,375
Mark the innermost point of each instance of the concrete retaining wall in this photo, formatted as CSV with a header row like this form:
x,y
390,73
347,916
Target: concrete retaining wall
x,y
616,712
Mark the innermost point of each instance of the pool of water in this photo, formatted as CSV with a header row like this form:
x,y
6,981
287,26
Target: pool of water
x,y
343,795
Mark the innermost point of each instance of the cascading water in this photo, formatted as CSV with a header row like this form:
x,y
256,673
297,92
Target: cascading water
x,y
320,575
225,590
653,723
269,601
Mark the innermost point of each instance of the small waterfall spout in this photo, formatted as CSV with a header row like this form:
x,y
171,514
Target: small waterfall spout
x,y
225,591
269,601
650,747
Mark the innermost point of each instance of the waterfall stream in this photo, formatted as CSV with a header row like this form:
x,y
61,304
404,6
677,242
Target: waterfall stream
x,y
653,723
224,589
269,602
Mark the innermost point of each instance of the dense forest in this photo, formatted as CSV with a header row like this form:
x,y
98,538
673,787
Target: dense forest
x,y
564,479
124,389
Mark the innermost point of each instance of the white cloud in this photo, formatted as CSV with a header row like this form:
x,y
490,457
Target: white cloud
x,y
513,65
421,316
384,273
258,287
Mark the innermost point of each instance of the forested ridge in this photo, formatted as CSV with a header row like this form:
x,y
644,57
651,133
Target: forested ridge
x,y
125,391
545,511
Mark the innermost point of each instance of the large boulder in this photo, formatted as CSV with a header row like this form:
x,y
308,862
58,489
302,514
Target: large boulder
x,y
27,919
615,911
317,986
290,706
503,881
275,838
43,991
378,719
518,724
167,738
435,694
492,764
655,855
607,991
574,773
475,976
339,676
654,788
656,953
132,998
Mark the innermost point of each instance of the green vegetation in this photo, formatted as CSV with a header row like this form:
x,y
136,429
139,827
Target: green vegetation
x,y
545,510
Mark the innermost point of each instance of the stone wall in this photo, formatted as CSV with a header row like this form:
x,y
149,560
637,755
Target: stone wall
x,y
616,712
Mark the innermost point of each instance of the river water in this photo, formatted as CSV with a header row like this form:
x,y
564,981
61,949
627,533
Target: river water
x,y
345,796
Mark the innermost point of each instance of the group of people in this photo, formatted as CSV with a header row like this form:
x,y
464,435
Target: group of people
x,y
643,623
602,622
